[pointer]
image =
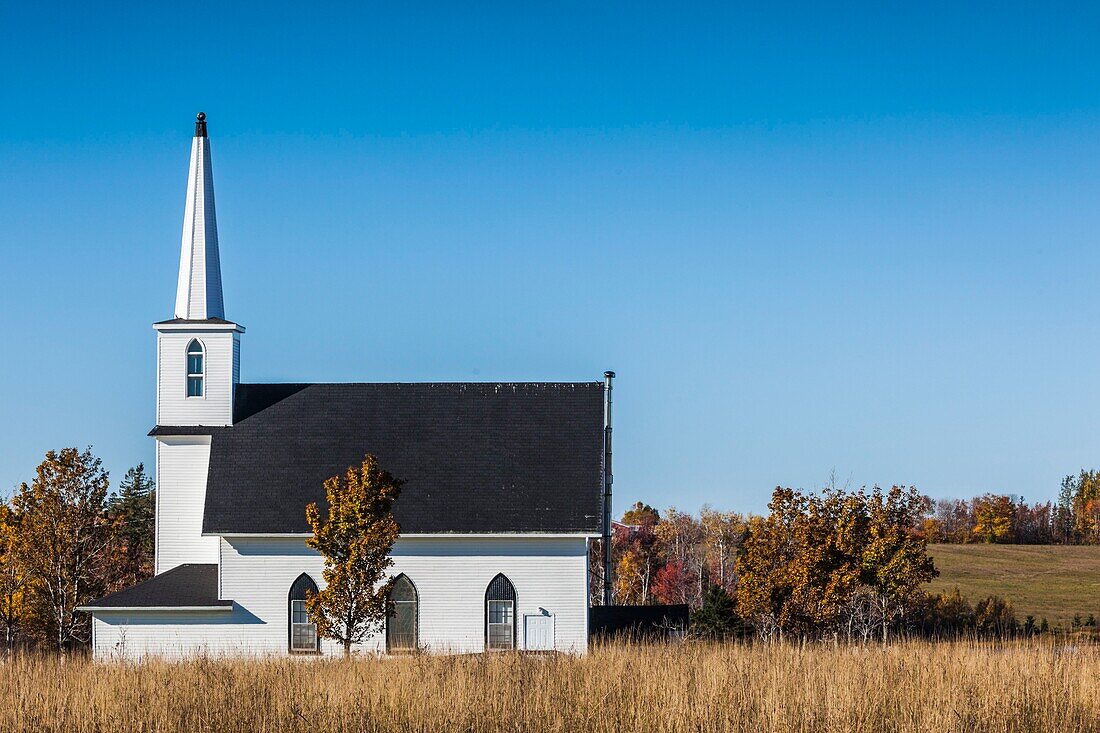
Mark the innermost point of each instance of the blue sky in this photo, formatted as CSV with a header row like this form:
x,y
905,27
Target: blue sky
x,y
810,238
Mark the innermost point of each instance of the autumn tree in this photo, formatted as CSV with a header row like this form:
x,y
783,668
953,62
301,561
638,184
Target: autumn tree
x,y
355,540
636,554
994,519
721,532
946,615
132,512
680,579
13,576
1034,523
994,616
768,564
954,520
632,578
676,583
932,530
895,561
840,534
65,543
1086,507
641,515
832,563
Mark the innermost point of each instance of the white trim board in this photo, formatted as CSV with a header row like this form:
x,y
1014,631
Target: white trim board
x,y
131,609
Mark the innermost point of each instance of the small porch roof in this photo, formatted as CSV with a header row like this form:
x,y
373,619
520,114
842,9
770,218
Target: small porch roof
x,y
191,587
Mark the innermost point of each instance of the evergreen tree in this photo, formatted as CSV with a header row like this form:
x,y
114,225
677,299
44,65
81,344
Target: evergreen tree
x,y
717,619
133,515
1064,519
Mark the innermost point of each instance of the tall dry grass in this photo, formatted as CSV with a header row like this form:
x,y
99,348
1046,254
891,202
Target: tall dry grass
x,y
904,687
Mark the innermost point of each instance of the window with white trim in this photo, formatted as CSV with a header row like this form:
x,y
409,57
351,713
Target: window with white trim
x,y
500,615
302,631
196,364
401,625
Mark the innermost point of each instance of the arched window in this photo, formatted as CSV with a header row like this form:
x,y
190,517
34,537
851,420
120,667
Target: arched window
x,y
195,368
500,614
301,632
401,626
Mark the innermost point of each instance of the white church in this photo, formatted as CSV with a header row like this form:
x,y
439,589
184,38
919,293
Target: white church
x,y
506,485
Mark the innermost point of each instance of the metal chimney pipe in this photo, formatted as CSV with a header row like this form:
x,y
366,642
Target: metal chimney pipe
x,y
607,480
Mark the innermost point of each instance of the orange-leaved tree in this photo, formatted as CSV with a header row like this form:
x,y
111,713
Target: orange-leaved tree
x,y
13,576
65,543
768,564
355,540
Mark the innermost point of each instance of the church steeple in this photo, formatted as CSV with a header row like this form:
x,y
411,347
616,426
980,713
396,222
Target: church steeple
x,y
199,290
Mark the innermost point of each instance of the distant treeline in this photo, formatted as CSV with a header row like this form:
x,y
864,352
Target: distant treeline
x,y
1074,519
670,558
836,563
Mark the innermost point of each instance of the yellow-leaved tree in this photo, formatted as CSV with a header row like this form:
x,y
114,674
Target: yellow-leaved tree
x,y
355,539
13,576
895,562
994,516
1086,507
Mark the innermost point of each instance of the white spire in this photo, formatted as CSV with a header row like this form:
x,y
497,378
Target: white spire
x,y
199,292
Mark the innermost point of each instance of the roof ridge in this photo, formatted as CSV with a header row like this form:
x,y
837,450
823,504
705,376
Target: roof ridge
x,y
424,383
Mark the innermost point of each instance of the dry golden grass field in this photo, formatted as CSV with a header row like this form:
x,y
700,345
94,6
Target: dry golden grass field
x,y
1051,581
1027,686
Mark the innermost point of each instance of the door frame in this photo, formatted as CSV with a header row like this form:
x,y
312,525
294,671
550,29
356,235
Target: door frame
x,y
553,629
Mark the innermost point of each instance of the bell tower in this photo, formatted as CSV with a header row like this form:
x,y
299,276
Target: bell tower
x,y
198,369
198,351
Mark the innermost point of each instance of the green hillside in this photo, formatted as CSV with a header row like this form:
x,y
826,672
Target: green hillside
x,y
1051,581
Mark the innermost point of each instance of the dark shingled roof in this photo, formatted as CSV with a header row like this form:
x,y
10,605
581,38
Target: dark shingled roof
x,y
475,457
183,586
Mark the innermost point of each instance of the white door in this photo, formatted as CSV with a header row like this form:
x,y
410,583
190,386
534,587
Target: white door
x,y
538,632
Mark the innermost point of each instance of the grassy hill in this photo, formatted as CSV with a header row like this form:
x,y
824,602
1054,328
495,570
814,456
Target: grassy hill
x,y
1051,581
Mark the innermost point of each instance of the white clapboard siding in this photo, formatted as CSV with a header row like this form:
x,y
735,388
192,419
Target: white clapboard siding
x,y
236,362
182,463
171,634
221,359
451,575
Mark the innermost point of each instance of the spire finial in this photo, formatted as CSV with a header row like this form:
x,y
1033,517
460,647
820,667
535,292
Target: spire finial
x,y
200,124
